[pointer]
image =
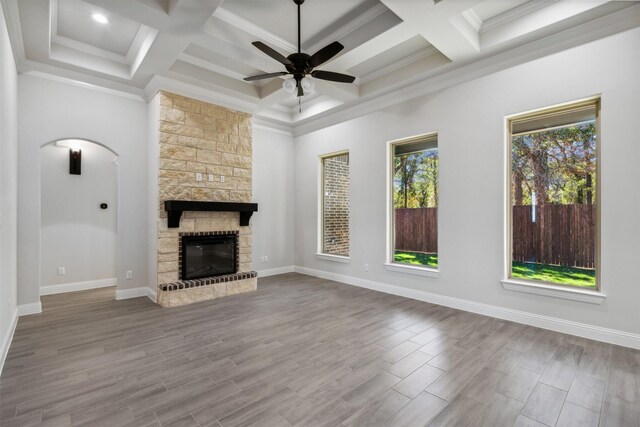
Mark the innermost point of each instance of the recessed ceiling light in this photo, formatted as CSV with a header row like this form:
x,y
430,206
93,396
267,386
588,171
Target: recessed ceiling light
x,y
100,18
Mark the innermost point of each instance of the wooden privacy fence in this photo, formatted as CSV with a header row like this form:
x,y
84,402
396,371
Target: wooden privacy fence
x,y
560,234
417,229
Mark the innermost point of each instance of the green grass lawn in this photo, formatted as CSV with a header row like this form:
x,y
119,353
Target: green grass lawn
x,y
582,277
416,258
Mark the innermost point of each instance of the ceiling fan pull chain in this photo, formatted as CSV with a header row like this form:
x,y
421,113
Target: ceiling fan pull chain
x,y
299,106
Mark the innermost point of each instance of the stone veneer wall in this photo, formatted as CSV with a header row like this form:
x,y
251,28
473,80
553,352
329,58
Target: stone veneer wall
x,y
197,137
336,205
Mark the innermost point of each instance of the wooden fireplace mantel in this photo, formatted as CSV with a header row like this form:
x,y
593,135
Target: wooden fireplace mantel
x,y
175,208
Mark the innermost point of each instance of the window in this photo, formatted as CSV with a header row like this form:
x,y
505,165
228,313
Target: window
x,y
553,216
335,205
414,218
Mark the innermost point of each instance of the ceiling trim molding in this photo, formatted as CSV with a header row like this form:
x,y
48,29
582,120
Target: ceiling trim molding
x,y
138,41
261,124
473,19
453,74
514,14
89,49
193,60
250,28
14,28
81,78
72,82
158,83
343,31
396,65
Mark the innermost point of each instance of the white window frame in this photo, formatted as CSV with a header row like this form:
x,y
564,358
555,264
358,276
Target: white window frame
x,y
320,232
550,289
389,264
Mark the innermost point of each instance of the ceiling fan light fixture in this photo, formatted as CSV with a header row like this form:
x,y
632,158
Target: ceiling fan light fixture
x,y
289,85
308,86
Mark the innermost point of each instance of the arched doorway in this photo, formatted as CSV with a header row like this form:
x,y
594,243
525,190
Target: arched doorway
x,y
78,216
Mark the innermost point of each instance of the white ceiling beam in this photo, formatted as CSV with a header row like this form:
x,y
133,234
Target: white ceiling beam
x,y
441,24
246,54
375,46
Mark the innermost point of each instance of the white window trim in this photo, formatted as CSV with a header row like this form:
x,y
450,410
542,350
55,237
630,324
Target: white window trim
x,y
390,265
562,292
543,288
411,269
319,254
333,258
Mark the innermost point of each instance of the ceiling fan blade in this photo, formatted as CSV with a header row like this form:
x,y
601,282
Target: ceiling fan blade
x,y
265,76
300,91
272,53
333,77
325,54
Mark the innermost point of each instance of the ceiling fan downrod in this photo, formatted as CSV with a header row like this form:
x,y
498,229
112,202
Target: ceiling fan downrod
x,y
299,3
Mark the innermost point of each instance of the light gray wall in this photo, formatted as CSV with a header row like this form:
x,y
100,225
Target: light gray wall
x,y
76,233
470,121
8,186
49,111
273,191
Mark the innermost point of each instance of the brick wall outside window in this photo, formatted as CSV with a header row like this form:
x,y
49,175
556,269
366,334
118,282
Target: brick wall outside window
x,y
335,227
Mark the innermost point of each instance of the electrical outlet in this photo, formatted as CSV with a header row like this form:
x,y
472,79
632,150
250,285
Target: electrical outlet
x,y
61,271
266,258
129,275
210,177
221,178
198,176
366,267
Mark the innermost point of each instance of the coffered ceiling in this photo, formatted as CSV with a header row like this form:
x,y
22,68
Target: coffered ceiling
x,y
396,48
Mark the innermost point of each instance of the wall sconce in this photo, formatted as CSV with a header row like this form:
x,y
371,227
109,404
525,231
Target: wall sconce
x,y
75,161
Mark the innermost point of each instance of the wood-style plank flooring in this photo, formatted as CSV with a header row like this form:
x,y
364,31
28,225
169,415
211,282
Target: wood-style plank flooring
x,y
305,351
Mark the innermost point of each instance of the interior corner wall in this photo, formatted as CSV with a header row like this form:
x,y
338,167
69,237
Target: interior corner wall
x,y
8,188
153,166
51,110
470,121
273,178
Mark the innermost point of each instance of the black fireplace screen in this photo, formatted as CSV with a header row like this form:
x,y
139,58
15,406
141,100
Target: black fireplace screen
x,y
208,256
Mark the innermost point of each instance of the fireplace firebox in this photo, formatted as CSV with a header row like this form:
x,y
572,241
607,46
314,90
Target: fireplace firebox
x,y
208,255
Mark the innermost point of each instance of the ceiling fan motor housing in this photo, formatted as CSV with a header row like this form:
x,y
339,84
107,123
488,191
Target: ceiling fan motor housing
x,y
300,66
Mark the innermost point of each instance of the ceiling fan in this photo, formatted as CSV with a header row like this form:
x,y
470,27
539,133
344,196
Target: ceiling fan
x,y
300,64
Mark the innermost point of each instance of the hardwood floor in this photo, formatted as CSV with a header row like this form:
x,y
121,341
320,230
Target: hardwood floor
x,y
305,351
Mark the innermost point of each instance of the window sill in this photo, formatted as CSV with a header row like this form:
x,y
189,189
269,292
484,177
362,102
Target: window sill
x,y
591,297
409,269
333,258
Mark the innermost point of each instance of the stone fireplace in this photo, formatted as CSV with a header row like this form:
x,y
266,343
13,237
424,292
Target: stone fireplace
x,y
205,157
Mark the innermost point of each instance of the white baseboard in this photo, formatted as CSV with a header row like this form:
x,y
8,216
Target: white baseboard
x,y
78,286
136,293
152,294
275,271
8,337
584,330
27,309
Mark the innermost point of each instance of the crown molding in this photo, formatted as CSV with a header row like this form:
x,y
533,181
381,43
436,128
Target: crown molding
x,y
14,28
397,65
193,60
513,14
